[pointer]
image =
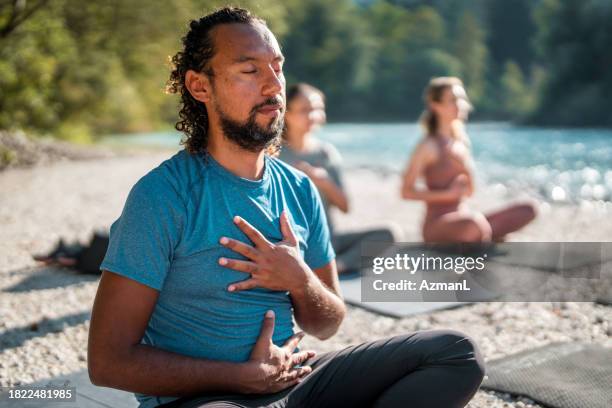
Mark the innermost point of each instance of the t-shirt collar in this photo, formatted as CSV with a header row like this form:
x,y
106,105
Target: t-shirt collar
x,y
214,165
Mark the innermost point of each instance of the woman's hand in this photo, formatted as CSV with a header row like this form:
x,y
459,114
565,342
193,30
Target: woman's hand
x,y
459,187
325,184
316,174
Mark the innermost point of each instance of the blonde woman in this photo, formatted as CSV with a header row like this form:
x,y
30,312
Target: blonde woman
x,y
444,161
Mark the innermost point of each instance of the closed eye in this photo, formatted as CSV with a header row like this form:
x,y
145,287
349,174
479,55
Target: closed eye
x,y
277,66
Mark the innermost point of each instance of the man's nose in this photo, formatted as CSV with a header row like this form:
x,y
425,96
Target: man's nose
x,y
274,83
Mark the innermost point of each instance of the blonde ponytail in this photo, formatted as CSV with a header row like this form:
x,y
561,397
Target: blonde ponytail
x,y
429,121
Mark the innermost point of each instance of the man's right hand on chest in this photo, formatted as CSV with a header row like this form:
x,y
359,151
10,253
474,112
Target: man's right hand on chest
x,y
277,266
315,294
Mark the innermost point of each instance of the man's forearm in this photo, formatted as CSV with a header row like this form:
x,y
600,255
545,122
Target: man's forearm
x,y
149,370
317,309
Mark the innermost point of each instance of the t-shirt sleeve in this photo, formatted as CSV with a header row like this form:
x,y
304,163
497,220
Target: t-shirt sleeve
x,y
143,238
319,251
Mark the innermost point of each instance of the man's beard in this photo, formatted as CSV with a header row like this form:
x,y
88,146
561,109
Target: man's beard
x,y
249,135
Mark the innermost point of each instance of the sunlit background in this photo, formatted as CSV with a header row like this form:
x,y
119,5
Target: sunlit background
x,y
83,71
85,80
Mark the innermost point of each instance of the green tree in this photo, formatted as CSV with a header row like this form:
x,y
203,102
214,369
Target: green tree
x,y
409,51
76,69
327,47
573,41
29,61
16,12
470,49
517,97
510,33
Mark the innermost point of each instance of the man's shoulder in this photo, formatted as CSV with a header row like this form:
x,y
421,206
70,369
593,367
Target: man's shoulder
x,y
174,175
294,181
287,172
278,165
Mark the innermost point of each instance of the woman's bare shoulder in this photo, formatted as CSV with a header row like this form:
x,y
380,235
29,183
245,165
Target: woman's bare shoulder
x,y
426,149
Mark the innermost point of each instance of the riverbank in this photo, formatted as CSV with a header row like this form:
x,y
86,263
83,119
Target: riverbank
x,y
18,150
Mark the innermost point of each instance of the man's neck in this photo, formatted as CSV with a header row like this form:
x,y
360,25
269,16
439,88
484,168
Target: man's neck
x,y
242,163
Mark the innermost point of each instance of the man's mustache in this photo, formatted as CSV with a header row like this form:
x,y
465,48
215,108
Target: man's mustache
x,y
274,101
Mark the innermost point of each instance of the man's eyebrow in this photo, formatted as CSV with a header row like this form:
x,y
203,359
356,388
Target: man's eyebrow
x,y
247,58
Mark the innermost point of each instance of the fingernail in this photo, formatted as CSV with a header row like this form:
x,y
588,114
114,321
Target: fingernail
x,y
236,219
270,314
224,240
231,288
222,261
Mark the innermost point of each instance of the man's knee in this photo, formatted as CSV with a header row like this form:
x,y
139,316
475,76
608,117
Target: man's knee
x,y
463,351
475,364
440,346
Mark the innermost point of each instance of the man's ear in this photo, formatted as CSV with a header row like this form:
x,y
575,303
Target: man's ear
x,y
198,85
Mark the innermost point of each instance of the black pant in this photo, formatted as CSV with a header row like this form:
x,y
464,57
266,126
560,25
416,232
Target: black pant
x,y
438,368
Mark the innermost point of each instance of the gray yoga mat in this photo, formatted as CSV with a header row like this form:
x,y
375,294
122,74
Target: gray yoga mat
x,y
552,256
561,375
515,271
547,256
87,395
351,290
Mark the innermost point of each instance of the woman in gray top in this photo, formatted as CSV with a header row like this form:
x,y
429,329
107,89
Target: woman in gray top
x,y
321,161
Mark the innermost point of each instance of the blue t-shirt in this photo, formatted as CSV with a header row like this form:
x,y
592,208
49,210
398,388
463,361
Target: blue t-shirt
x,y
167,237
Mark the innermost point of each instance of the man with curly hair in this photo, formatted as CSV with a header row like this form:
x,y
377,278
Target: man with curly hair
x,y
219,248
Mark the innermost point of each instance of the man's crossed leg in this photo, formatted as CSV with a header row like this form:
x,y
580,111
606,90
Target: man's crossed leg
x,y
439,368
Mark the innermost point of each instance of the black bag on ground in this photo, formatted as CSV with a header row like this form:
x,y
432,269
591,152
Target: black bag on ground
x,y
90,258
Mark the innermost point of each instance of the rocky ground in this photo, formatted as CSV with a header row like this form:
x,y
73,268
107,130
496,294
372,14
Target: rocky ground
x,y
44,312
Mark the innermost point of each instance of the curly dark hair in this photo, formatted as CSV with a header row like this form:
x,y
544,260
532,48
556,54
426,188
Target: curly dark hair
x,y
198,49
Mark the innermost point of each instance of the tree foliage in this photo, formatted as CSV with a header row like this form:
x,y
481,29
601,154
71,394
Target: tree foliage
x,y
77,69
574,41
